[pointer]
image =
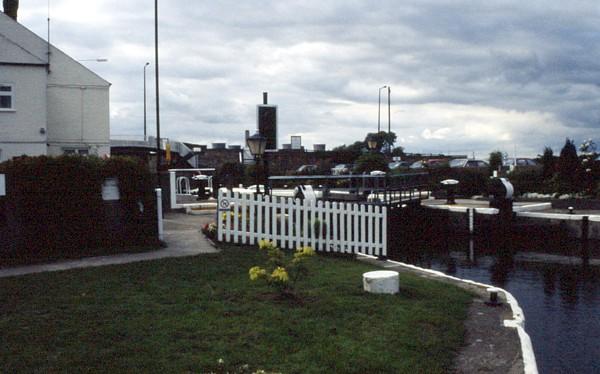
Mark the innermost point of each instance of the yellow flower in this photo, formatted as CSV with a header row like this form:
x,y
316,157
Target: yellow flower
x,y
303,253
265,244
256,272
279,274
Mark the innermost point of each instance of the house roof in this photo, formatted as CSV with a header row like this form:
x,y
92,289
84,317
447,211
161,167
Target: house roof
x,y
21,46
13,53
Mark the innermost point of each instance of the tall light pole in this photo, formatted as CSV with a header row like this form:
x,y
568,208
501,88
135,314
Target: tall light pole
x,y
389,119
379,111
145,66
157,90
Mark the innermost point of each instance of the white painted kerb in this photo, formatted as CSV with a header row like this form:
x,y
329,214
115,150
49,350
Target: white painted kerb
x,y
381,281
518,321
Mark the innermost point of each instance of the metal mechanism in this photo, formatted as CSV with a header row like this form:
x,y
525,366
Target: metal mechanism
x,y
450,185
501,195
378,188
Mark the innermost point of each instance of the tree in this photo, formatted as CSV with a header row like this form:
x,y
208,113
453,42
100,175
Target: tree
x,y
495,160
548,163
371,161
588,169
398,151
348,154
568,168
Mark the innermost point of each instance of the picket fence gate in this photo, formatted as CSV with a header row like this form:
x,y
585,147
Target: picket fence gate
x,y
293,223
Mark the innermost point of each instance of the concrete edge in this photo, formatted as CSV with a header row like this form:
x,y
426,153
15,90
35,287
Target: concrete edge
x,y
518,321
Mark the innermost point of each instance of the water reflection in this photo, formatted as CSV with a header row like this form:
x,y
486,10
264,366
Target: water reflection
x,y
561,301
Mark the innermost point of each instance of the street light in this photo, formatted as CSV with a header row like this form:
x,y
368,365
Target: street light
x,y
372,143
389,118
379,110
257,144
157,90
145,66
95,59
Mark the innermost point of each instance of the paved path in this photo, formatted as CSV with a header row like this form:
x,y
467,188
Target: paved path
x,y
181,233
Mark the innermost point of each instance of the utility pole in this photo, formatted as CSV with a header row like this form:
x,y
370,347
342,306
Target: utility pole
x,y
145,132
389,119
157,90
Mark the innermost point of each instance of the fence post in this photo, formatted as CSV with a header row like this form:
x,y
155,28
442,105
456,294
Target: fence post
x,y
159,213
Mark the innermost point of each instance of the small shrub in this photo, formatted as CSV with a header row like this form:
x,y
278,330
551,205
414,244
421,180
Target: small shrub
x,y
280,272
210,230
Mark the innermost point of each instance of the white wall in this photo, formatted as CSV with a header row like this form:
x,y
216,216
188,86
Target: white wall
x,y
21,129
10,150
78,107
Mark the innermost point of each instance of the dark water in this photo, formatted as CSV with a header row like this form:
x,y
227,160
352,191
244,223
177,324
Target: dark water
x,y
561,302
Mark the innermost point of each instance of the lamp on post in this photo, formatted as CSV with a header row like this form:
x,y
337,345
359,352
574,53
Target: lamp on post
x,y
145,66
257,144
372,143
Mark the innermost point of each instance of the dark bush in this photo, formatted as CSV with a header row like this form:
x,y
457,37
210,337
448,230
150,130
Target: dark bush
x,y
56,208
471,181
229,174
369,162
528,180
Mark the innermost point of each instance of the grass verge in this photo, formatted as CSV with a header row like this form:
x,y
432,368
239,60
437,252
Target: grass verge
x,y
186,314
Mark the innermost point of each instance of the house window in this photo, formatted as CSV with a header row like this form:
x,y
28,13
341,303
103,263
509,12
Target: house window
x,y
6,97
76,151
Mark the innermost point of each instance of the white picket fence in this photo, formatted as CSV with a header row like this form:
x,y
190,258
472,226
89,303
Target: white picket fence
x,y
294,223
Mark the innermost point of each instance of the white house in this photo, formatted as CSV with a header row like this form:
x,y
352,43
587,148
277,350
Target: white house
x,y
50,104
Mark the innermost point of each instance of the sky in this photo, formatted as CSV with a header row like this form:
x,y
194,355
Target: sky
x,y
466,77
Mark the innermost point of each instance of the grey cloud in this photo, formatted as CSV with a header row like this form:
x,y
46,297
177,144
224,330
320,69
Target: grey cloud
x,y
527,67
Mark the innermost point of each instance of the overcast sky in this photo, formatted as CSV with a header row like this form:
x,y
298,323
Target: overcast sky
x,y
465,76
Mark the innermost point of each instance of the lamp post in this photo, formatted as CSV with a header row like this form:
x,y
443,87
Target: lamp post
x,y
157,90
257,144
95,59
389,89
379,110
145,66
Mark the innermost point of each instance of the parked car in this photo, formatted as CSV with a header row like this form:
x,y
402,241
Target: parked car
x,y
437,162
341,169
418,164
520,162
399,165
468,163
431,163
306,169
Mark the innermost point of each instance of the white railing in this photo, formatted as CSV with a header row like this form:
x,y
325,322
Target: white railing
x,y
293,223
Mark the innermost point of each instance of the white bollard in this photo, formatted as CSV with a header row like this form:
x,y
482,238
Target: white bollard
x,y
381,281
159,213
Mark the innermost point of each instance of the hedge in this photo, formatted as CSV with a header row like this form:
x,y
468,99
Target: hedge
x,y
54,207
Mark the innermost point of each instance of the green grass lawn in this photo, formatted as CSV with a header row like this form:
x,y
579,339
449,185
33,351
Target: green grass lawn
x,y
179,315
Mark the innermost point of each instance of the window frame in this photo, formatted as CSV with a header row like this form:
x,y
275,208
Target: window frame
x,y
79,151
10,94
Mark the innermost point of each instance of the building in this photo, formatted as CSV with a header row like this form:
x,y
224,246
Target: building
x,y
50,104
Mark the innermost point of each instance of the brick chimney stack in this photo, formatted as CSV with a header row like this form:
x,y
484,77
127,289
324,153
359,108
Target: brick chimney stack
x,y
10,8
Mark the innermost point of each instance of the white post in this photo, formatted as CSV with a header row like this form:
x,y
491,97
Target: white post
x,y
173,190
159,213
384,231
